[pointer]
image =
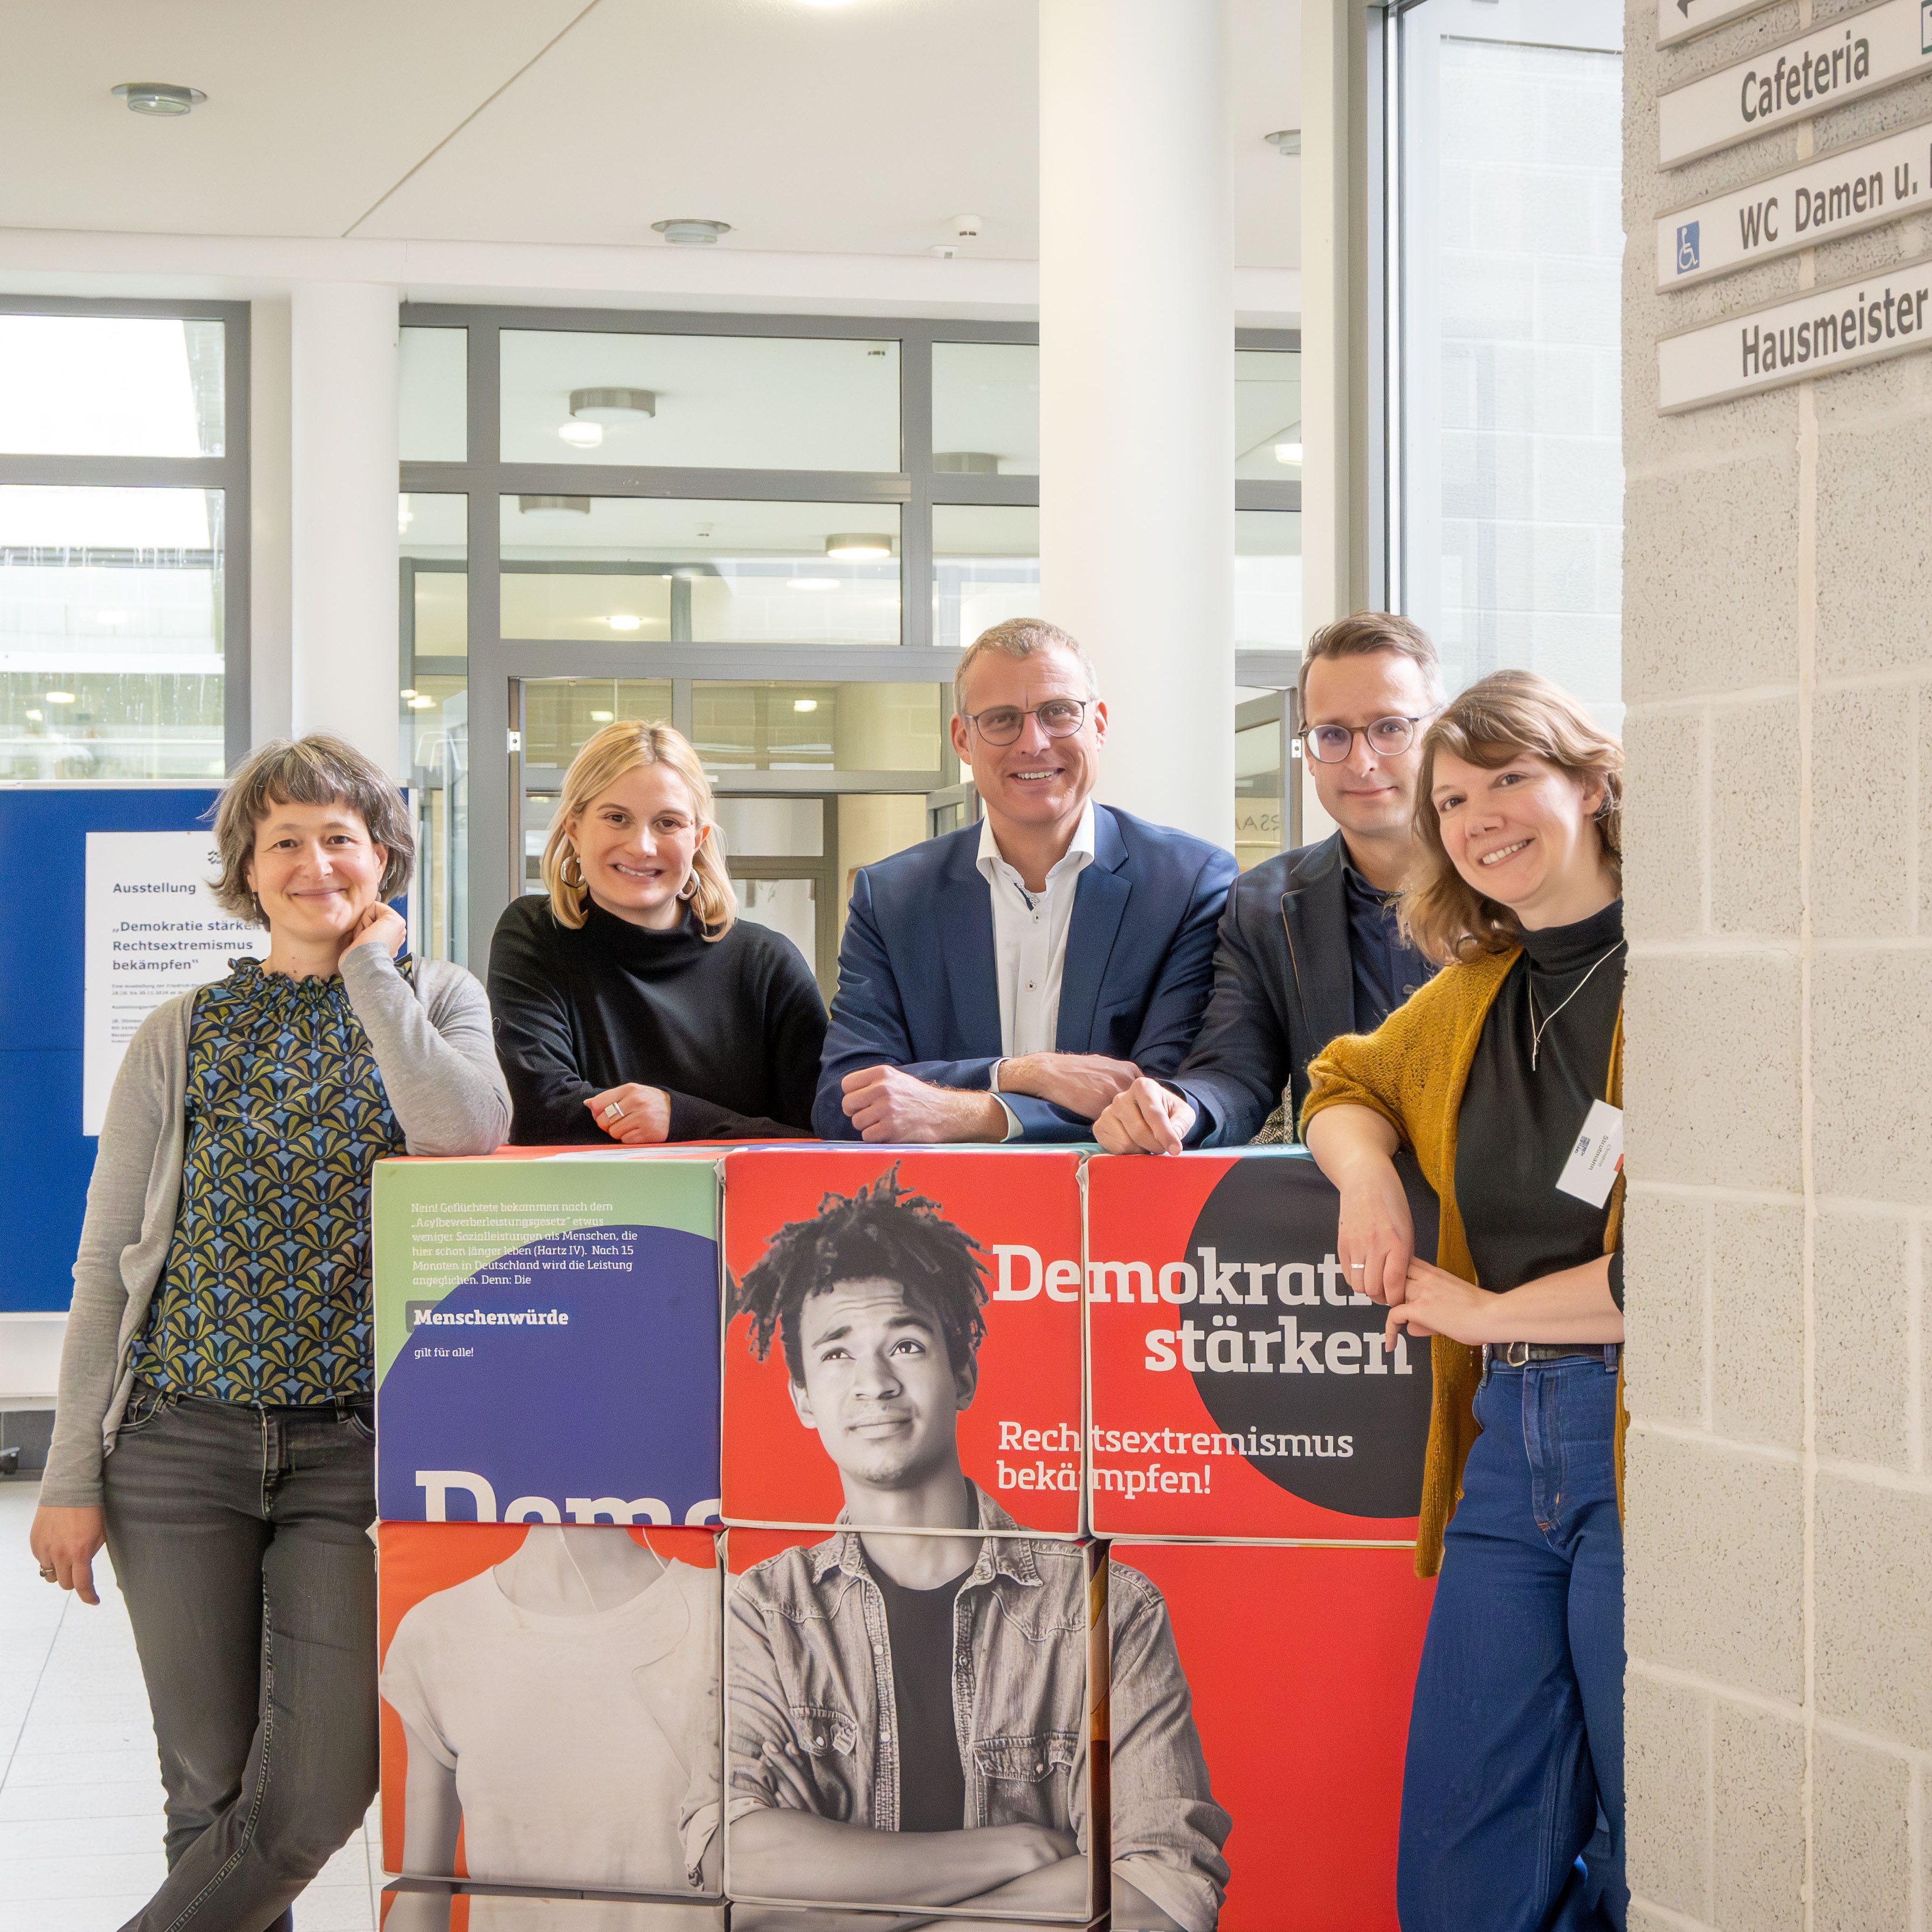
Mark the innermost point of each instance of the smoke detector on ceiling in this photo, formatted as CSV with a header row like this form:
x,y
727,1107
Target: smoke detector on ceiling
x,y
966,227
162,97
685,231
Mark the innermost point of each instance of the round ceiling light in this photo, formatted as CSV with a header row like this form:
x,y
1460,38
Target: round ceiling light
x,y
582,435
159,97
60,697
542,506
686,231
612,406
1286,142
858,544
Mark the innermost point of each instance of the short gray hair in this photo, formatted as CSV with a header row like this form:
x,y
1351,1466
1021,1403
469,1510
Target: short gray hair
x,y
1020,638
315,770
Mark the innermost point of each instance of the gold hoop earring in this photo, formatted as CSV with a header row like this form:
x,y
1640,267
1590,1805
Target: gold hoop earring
x,y
689,890
570,870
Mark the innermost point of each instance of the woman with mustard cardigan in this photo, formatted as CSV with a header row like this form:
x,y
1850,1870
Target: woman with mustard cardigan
x,y
1494,1073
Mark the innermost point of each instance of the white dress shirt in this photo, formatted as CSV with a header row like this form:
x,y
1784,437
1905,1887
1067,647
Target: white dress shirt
x,y
1030,944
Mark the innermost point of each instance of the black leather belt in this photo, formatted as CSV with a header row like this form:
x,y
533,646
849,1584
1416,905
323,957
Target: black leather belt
x,y
1520,1354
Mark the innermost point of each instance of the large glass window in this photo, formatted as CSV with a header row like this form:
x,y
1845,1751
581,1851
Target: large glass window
x,y
986,409
123,437
985,568
1510,241
717,402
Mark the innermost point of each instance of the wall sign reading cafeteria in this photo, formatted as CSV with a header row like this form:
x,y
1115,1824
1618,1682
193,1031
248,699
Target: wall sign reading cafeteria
x,y
635,1592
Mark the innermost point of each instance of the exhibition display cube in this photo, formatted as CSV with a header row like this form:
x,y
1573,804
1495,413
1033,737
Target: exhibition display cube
x,y
552,1706
1299,1665
953,1330
1238,1387
547,1330
814,1696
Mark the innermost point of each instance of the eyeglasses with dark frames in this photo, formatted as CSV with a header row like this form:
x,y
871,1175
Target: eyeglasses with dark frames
x,y
1002,724
1330,744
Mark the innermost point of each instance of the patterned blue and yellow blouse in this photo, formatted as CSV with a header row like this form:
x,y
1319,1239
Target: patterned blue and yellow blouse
x,y
265,1296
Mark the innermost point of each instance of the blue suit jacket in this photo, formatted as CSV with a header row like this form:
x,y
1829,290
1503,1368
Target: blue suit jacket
x,y
918,988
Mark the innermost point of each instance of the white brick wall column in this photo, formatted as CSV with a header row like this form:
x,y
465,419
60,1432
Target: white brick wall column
x,y
1778,670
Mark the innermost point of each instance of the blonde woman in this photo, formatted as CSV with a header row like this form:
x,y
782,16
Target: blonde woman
x,y
214,1419
631,1004
1493,1073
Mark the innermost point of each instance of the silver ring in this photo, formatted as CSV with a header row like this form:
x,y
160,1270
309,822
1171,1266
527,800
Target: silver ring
x,y
615,1112
1354,1266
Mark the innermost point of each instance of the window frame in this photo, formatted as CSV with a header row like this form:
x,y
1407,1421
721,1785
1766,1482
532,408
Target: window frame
x,y
228,472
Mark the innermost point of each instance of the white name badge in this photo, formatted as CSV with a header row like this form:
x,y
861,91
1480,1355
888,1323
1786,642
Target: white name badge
x,y
1594,1162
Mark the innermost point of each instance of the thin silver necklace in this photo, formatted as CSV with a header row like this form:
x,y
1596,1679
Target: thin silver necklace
x,y
1536,1032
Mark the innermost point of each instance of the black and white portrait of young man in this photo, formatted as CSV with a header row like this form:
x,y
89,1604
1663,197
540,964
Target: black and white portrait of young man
x,y
907,1704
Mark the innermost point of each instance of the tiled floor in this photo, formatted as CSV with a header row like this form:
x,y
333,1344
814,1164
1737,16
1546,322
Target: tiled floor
x,y
80,1798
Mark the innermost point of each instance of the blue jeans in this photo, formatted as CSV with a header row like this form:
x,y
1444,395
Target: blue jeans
x,y
1513,1794
239,1538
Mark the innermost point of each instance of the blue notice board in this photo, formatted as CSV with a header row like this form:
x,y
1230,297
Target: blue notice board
x,y
45,1159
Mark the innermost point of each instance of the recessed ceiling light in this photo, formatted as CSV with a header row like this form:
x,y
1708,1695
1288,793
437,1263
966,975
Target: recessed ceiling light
x,y
612,406
805,704
539,506
60,697
1288,452
1286,142
686,231
624,621
405,694
582,435
602,717
812,584
159,97
858,544
421,703
33,717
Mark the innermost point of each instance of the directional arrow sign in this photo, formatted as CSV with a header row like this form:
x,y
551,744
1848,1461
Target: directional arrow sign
x,y
1680,19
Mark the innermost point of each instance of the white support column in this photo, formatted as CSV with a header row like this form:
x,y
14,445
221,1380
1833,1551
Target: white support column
x,y
1137,388
344,362
1327,332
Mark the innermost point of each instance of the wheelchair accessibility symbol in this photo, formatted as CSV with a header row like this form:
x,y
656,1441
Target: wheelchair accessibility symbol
x,y
1687,248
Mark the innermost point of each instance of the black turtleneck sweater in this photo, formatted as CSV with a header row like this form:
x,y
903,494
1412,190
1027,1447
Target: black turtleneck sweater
x,y
731,1029
1517,1125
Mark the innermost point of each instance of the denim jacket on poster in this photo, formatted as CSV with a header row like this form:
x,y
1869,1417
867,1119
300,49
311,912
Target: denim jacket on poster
x,y
808,1664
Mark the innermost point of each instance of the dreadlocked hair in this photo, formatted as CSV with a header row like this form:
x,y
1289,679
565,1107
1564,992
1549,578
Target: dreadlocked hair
x,y
879,1233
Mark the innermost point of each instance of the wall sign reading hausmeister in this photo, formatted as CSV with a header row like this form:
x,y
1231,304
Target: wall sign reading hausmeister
x,y
1835,194
1682,19
1867,319
1838,61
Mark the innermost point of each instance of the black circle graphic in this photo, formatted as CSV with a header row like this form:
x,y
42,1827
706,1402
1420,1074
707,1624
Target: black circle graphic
x,y
1284,1359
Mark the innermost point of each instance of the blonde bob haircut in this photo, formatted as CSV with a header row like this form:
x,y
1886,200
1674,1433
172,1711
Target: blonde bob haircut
x,y
315,770
616,749
1501,717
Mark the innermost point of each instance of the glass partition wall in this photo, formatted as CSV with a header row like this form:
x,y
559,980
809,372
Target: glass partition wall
x,y
775,532
123,470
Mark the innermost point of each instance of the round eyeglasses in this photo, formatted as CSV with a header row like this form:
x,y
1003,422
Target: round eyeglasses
x,y
1330,744
1059,718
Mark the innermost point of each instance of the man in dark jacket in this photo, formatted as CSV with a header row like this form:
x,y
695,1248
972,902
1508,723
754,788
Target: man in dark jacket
x,y
1308,947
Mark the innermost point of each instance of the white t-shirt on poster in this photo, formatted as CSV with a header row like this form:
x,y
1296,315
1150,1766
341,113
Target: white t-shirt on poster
x,y
587,1749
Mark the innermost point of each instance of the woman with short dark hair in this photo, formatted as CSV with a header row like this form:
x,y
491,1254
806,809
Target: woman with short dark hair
x,y
1505,1075
214,1425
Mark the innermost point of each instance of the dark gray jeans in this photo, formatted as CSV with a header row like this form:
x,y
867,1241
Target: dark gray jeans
x,y
239,1537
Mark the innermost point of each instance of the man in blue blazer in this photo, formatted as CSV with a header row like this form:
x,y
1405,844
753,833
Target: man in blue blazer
x,y
1008,981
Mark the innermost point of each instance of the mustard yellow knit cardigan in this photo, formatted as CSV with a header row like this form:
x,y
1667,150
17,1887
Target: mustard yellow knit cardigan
x,y
1411,1070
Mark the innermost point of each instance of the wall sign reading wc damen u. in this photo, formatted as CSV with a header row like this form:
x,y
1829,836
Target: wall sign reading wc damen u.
x,y
1866,320
1838,194
1239,1386
1837,61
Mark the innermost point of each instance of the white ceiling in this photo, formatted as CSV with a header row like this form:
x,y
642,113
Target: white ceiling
x,y
852,130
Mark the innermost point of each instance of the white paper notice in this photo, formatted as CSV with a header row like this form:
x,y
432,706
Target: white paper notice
x,y
154,930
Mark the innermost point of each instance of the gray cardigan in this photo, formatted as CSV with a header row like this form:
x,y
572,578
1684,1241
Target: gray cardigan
x,y
433,1049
